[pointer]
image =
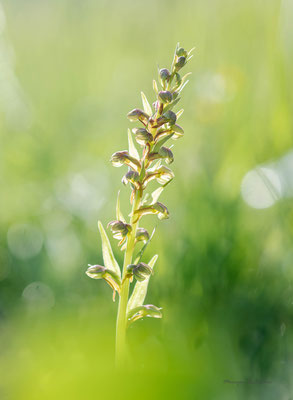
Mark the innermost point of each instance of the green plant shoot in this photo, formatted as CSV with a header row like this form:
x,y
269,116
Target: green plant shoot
x,y
156,125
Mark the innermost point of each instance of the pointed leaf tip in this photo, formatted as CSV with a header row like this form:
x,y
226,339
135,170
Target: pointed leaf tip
x,y
119,214
146,105
132,149
108,256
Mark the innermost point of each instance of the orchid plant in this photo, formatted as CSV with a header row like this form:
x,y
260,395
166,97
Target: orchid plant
x,y
158,124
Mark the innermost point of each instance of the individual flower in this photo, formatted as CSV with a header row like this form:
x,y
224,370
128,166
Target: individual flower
x,y
138,115
168,117
119,229
124,158
157,208
147,310
140,271
142,235
142,136
163,175
101,272
165,96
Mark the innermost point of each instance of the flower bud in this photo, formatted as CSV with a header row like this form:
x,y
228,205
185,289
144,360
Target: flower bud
x,y
137,115
142,136
180,63
122,157
164,74
120,229
178,131
165,96
167,154
142,235
96,271
168,117
140,271
132,177
181,52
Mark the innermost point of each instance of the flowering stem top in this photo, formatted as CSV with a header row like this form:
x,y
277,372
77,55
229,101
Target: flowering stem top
x,y
158,124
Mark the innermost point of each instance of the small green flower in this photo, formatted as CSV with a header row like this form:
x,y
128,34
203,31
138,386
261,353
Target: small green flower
x,y
140,271
142,235
165,96
181,52
147,310
142,136
100,272
132,177
168,117
157,208
123,158
119,229
138,115
164,74
180,63
163,175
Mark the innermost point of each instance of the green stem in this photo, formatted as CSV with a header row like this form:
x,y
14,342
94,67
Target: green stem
x,y
121,323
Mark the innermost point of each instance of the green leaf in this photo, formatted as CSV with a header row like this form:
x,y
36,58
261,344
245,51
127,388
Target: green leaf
x,y
146,105
183,86
119,214
142,172
148,310
156,194
172,104
174,58
140,290
190,51
108,256
179,113
160,143
183,79
132,149
155,86
156,166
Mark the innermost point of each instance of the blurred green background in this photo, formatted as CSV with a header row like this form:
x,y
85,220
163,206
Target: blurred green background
x,y
69,72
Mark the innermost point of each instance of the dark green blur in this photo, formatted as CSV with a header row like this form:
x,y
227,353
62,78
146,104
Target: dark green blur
x,y
69,72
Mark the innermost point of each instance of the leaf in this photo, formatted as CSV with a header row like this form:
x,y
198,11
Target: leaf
x,y
140,290
155,86
148,310
142,250
108,256
174,58
172,104
160,143
156,166
146,105
183,86
179,113
190,51
132,149
119,214
156,194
